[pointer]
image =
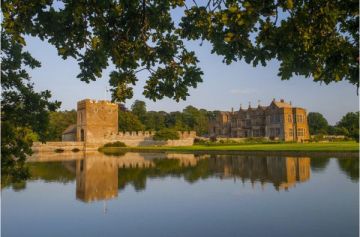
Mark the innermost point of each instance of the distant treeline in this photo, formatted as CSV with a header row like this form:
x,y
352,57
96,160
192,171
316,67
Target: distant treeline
x,y
138,118
348,125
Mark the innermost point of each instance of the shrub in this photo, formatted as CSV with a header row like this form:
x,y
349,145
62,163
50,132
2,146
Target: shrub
x,y
166,134
256,140
200,141
213,139
115,144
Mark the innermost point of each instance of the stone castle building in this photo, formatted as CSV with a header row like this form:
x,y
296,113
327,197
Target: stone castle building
x,y
97,124
278,121
96,120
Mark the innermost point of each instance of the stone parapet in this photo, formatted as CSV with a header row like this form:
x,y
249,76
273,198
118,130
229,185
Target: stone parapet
x,y
52,146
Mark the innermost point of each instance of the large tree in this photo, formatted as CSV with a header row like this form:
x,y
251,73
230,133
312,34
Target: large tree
x,y
196,119
138,108
349,124
129,122
24,112
317,39
317,123
58,122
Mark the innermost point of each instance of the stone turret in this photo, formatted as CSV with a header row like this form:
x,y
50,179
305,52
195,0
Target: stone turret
x,y
96,119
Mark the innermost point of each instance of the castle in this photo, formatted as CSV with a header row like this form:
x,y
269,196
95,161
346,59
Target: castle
x,y
97,124
278,121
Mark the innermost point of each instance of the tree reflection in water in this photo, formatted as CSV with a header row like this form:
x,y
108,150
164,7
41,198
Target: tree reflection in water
x,y
99,177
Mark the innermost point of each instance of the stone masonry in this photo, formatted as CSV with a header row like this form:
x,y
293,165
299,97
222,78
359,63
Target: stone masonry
x,y
278,121
97,124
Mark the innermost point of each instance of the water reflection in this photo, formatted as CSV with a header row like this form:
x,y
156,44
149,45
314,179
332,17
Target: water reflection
x,y
100,177
282,172
96,179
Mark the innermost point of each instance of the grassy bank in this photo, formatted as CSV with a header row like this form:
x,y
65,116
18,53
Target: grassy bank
x,y
295,147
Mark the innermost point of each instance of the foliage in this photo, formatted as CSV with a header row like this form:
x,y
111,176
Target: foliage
x,y
24,112
59,121
190,118
258,140
166,134
132,35
154,120
129,122
317,39
138,108
115,144
195,119
349,124
317,123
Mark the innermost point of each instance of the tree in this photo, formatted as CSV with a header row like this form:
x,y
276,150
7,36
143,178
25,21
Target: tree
x,y
129,122
196,119
155,120
317,123
349,123
175,120
138,108
318,39
24,112
58,122
166,134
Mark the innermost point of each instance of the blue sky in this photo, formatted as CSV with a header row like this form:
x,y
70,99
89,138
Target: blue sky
x,y
224,86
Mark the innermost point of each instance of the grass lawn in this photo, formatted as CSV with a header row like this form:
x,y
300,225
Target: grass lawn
x,y
316,147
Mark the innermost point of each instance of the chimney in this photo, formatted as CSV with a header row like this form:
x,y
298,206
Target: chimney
x,y
273,99
282,100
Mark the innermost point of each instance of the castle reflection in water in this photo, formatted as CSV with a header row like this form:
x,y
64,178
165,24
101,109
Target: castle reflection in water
x,y
99,177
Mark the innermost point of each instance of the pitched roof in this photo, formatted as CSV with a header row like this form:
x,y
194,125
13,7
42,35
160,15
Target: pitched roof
x,y
282,104
70,129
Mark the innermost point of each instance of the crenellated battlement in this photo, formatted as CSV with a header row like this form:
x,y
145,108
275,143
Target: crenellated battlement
x,y
97,123
182,134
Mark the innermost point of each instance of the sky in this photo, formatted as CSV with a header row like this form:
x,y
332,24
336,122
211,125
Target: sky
x,y
224,86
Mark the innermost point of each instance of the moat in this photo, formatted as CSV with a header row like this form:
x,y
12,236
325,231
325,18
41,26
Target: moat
x,y
164,194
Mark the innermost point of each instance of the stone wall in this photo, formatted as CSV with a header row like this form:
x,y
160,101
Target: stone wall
x,y
129,138
52,146
145,138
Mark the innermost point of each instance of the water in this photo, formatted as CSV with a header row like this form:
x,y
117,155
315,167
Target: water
x,y
183,195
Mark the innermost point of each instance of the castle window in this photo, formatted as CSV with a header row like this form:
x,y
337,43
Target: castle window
x,y
277,132
300,132
289,118
291,132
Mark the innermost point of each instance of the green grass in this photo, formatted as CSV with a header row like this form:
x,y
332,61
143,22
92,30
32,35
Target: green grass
x,y
316,147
